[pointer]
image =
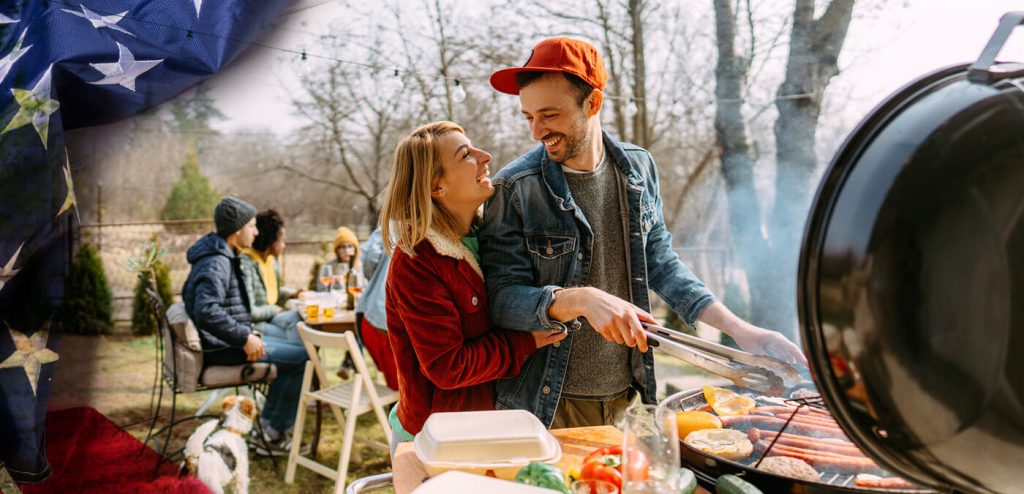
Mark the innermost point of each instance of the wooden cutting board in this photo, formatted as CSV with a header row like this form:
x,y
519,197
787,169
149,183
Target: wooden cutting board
x,y
576,444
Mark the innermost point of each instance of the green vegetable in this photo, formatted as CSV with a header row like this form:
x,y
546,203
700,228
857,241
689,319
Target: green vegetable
x,y
542,475
687,481
731,484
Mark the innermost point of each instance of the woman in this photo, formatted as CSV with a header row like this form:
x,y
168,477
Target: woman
x,y
263,280
346,255
448,354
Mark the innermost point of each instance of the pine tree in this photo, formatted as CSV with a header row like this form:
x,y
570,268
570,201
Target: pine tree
x,y
88,302
192,196
144,321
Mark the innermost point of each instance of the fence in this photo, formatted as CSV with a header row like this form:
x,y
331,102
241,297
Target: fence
x,y
116,242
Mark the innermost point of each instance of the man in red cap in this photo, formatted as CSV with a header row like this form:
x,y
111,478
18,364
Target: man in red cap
x,y
574,238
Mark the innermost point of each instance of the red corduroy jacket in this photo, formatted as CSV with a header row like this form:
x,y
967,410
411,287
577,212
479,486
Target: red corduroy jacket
x,y
448,354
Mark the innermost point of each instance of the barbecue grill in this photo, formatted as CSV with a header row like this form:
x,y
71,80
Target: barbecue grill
x,y
911,285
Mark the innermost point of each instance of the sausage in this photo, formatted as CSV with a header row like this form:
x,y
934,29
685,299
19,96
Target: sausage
x,y
788,410
780,412
823,461
775,424
839,447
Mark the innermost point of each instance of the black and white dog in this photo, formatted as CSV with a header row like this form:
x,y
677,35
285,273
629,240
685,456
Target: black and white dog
x,y
217,452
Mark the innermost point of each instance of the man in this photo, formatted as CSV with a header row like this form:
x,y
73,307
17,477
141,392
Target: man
x,y
370,312
573,238
216,300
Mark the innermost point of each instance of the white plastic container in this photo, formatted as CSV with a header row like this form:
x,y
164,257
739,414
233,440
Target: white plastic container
x,y
455,481
500,440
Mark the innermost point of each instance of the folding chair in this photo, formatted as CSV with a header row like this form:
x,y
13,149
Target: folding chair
x,y
347,400
181,362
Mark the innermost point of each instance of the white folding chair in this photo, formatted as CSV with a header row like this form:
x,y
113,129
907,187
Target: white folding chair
x,y
347,400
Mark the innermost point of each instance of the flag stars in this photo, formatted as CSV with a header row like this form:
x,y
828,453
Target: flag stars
x,y
34,107
7,20
70,201
125,70
7,271
11,57
30,353
101,21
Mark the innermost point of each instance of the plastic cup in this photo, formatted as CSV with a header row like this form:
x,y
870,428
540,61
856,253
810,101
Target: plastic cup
x,y
312,309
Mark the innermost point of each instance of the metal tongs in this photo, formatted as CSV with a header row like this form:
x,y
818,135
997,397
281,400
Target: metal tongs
x,y
765,375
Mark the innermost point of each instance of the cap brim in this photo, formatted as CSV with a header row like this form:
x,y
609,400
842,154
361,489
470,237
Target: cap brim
x,y
504,80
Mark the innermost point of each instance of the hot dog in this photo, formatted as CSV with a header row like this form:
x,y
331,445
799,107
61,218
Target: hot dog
x,y
822,461
868,480
775,424
840,447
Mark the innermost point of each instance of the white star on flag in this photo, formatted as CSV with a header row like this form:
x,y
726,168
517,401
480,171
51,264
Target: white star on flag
x,y
125,70
101,21
70,201
30,353
8,60
35,107
199,5
7,271
7,20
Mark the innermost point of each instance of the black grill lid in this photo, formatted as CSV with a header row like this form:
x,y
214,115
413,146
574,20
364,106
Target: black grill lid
x,y
911,282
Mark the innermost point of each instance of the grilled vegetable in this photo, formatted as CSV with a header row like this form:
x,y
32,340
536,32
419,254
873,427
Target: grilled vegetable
x,y
542,475
731,484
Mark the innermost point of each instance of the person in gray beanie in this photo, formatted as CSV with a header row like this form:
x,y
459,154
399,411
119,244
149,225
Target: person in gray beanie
x,y
215,298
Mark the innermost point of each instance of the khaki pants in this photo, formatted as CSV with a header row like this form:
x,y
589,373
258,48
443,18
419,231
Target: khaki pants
x,y
575,412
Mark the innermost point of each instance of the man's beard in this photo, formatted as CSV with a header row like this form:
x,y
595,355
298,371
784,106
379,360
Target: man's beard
x,y
576,143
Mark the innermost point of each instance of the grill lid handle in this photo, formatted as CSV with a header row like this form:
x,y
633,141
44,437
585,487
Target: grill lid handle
x,y
985,70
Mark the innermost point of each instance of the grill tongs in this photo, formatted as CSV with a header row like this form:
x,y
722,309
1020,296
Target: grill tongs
x,y
765,375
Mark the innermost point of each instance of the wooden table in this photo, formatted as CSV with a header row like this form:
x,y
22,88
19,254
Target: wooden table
x,y
576,444
343,320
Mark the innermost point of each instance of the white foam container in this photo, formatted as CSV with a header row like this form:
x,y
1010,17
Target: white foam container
x,y
499,440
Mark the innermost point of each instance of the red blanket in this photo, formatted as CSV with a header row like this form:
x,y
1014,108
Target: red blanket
x,y
89,453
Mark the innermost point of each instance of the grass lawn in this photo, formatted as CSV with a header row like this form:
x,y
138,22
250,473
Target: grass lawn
x,y
114,374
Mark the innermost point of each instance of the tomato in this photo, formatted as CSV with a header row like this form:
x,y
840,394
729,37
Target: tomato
x,y
606,464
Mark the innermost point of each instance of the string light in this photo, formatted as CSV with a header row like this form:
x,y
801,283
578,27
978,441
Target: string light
x,y
391,85
458,94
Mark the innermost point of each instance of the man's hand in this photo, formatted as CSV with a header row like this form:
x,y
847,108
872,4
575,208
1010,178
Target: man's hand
x,y
613,318
254,348
545,338
750,338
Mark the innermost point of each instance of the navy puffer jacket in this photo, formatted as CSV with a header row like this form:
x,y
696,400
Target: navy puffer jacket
x,y
214,294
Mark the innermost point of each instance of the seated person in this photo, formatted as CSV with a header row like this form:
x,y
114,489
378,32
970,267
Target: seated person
x,y
370,311
263,280
346,254
447,352
215,300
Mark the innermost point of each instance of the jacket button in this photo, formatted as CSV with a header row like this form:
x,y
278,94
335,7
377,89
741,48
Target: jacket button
x,y
547,390
579,256
557,344
475,301
550,250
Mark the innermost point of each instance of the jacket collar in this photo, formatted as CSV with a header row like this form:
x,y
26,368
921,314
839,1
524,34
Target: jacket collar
x,y
456,250
555,180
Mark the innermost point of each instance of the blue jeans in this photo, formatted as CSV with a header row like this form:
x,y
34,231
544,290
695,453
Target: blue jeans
x,y
283,398
282,326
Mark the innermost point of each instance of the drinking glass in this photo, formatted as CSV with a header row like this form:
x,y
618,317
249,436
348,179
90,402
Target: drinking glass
x,y
650,439
329,302
325,278
312,308
592,486
337,286
355,283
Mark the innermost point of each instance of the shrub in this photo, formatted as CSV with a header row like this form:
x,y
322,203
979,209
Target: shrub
x,y
88,303
192,198
144,320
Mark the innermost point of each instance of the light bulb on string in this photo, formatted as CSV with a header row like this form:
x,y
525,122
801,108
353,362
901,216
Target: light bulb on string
x,y
632,109
678,108
391,84
458,93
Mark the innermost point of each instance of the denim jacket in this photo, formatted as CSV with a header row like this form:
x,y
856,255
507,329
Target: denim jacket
x,y
535,240
375,267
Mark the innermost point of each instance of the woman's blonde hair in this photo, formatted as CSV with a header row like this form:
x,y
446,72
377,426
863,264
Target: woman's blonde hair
x,y
409,210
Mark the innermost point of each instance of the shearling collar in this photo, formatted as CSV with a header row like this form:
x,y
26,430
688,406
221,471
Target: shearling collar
x,y
456,250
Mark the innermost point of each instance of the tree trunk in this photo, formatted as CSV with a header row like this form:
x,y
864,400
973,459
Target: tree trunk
x,y
814,51
641,135
752,247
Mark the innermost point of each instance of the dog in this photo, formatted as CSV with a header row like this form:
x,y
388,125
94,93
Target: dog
x,y
217,453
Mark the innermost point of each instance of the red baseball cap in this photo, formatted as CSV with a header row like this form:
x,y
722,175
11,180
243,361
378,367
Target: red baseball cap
x,y
568,55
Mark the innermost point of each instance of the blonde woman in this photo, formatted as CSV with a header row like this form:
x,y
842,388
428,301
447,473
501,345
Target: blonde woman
x,y
447,352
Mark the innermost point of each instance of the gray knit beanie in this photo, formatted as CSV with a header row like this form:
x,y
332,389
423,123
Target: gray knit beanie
x,y
231,215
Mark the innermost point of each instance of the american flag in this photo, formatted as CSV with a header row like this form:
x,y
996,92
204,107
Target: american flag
x,y
66,64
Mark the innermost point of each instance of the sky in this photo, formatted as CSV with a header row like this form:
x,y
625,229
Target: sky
x,y
884,50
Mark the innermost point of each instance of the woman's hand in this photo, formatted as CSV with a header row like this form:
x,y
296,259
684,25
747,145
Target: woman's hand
x,y
545,338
